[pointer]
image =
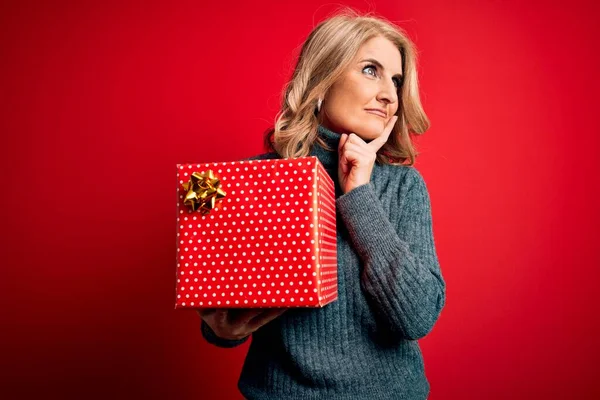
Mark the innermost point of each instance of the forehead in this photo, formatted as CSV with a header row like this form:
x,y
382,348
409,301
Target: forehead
x,y
384,51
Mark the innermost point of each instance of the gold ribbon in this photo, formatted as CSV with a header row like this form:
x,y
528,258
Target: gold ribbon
x,y
203,191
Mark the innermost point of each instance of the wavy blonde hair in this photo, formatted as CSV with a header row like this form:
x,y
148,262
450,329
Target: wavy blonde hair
x,y
325,56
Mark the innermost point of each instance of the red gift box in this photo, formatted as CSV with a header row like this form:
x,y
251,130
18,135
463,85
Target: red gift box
x,y
256,233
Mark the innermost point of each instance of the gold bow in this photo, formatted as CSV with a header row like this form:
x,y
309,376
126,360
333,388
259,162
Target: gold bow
x,y
203,191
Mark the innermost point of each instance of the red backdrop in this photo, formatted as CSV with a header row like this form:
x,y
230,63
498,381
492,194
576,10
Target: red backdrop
x,y
100,100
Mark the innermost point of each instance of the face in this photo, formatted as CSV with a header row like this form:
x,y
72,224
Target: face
x,y
372,82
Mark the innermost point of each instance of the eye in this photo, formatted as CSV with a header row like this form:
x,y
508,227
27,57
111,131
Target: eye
x,y
371,66
397,81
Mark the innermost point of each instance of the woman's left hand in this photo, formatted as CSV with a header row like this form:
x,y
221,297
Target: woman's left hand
x,y
356,157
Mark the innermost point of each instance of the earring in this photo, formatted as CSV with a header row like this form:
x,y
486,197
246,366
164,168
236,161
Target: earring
x,y
319,102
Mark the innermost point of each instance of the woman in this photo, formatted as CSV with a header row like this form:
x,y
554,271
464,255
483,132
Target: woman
x,y
352,102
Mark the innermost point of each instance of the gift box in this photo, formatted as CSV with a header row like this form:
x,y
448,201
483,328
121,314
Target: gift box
x,y
256,233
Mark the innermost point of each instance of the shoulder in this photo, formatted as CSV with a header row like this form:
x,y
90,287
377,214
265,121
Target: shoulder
x,y
404,185
406,176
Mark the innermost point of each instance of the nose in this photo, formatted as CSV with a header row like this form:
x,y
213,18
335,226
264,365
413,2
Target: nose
x,y
388,92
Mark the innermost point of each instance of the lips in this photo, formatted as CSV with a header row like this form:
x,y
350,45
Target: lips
x,y
382,114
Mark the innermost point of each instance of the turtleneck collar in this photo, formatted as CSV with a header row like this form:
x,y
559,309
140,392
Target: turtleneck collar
x,y
329,159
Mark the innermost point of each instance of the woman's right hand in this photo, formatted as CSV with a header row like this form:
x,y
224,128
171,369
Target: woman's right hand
x,y
237,323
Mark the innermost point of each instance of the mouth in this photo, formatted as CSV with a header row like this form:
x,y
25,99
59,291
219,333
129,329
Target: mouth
x,y
377,112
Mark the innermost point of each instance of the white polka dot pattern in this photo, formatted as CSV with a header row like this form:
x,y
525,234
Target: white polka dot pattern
x,y
271,242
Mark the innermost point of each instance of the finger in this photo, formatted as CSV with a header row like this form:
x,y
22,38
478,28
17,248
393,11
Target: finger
x,y
357,147
204,312
242,316
355,158
342,142
342,159
265,318
378,142
220,316
344,164
356,144
354,138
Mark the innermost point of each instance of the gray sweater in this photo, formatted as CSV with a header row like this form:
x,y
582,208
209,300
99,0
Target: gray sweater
x,y
390,293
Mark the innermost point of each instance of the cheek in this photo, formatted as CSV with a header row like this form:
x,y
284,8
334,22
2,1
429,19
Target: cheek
x,y
360,92
347,101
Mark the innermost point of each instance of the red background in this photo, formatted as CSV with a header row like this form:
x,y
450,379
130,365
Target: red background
x,y
100,100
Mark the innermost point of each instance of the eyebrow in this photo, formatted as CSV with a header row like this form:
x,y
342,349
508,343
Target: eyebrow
x,y
374,61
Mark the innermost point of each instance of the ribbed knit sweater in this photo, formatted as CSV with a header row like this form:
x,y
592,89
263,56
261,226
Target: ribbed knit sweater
x,y
390,293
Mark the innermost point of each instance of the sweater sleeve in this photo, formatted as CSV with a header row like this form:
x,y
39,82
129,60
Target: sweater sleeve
x,y
213,339
401,273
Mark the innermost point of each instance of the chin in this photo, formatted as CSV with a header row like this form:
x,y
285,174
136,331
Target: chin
x,y
367,130
370,131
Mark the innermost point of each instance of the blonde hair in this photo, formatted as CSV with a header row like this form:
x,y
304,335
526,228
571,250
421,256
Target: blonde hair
x,y
325,56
